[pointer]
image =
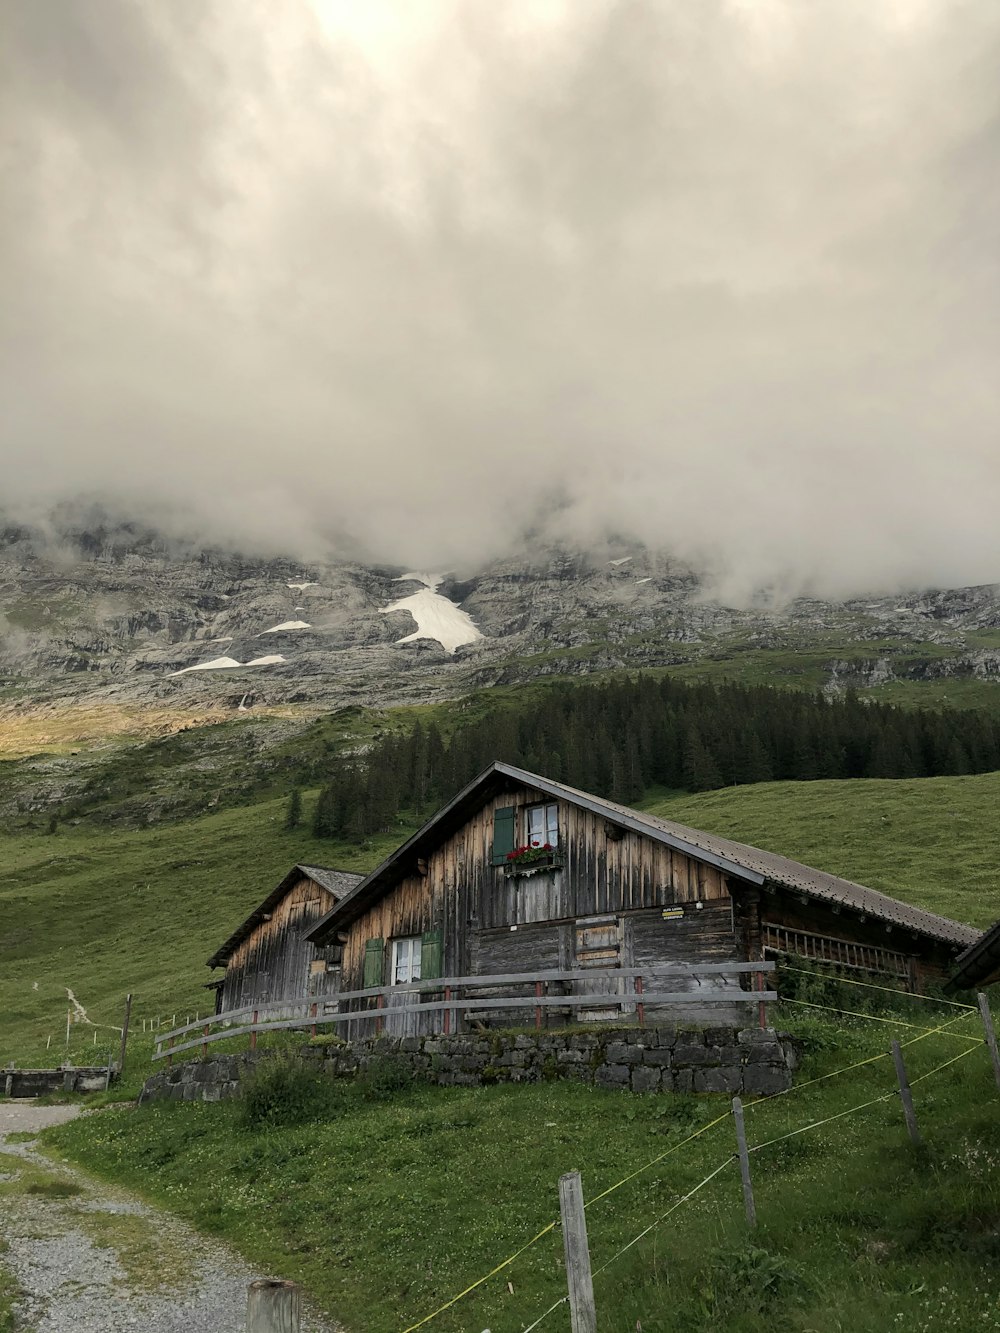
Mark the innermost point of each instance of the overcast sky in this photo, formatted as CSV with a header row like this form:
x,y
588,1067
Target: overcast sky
x,y
721,275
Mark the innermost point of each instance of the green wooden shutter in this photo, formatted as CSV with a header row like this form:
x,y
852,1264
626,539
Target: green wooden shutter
x,y
431,955
503,834
373,963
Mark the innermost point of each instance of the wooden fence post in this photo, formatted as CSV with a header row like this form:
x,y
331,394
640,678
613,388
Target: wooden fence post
x,y
274,1307
253,1030
124,1041
447,1013
741,1144
312,1014
762,1006
991,1036
539,990
583,1315
640,1008
904,1093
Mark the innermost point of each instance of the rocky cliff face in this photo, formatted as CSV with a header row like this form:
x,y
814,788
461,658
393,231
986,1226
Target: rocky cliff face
x,y
111,614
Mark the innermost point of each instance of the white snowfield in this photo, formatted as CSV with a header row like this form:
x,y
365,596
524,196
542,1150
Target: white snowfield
x,y
228,663
287,624
649,580
223,638
301,586
436,617
623,561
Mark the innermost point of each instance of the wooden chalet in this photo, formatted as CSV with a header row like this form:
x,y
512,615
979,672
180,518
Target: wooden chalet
x,y
268,957
521,874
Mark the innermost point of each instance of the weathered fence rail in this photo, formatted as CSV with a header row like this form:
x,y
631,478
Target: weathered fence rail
x,y
452,1000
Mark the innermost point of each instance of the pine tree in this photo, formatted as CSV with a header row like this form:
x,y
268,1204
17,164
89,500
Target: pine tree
x,y
293,811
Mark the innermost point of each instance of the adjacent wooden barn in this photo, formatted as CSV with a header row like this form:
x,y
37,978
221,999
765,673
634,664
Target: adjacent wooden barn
x,y
268,956
519,873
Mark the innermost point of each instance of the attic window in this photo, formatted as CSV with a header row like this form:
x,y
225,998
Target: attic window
x,y
542,825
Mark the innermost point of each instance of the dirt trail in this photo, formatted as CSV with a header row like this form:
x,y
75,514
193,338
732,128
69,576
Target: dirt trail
x,y
90,1258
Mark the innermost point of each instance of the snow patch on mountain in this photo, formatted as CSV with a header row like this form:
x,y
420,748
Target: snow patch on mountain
x,y
436,617
228,663
287,624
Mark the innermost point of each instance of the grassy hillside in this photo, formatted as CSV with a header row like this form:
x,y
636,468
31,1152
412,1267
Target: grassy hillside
x,y
141,910
934,842
387,1206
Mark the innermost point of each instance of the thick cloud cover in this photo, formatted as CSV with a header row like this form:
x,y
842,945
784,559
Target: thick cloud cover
x,y
413,279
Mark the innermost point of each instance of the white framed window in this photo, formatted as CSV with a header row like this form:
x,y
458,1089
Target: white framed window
x,y
542,825
406,960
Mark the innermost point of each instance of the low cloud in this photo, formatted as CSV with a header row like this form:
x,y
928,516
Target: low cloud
x,y
412,281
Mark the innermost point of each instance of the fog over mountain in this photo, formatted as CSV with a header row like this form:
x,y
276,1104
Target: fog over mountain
x,y
412,280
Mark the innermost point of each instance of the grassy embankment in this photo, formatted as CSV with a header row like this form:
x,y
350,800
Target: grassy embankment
x,y
387,1207
141,910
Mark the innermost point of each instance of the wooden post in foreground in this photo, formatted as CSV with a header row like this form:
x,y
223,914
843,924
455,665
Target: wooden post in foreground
x,y
991,1036
274,1306
741,1144
583,1315
905,1095
125,1022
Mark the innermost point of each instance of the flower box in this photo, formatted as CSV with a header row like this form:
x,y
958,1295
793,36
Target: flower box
x,y
528,860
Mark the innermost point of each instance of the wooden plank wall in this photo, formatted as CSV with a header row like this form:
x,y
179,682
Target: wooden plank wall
x,y
273,962
463,894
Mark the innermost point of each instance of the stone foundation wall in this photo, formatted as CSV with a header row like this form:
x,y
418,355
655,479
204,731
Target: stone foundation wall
x,y
37,1082
753,1061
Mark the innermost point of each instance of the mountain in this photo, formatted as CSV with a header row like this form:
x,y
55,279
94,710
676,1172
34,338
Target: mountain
x,y
144,678
114,615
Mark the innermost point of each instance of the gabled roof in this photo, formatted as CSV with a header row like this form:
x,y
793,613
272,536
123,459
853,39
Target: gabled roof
x,y
737,859
338,882
980,961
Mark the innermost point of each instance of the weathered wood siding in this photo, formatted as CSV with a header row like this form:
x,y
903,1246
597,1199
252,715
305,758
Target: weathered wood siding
x,y
275,962
492,922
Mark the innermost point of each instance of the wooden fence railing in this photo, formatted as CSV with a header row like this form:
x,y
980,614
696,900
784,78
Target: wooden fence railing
x,y
453,999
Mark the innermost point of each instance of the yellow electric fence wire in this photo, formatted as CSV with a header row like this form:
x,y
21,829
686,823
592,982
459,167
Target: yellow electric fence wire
x,y
872,1018
703,1130
886,1096
697,1134
492,1273
868,985
663,1216
859,1064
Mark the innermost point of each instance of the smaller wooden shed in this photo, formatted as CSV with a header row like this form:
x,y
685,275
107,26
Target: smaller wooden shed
x,y
267,957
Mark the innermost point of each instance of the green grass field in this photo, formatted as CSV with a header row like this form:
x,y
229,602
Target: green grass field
x,y
386,1207
103,913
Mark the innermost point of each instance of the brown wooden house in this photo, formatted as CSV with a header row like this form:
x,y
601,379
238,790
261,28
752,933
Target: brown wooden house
x,y
601,886
268,958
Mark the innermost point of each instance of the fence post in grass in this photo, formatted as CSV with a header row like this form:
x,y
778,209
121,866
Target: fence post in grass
x,y
274,1307
904,1093
170,1053
582,1313
125,1023
741,1144
991,1036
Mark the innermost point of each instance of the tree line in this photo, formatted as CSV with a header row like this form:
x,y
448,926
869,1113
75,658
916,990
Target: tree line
x,y
620,738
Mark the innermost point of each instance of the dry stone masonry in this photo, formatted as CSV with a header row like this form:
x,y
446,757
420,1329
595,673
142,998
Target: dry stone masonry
x,y
753,1061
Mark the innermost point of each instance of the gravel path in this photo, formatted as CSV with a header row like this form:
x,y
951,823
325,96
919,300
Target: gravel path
x,y
98,1260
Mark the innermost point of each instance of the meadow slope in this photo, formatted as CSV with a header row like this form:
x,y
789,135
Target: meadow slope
x,y
103,913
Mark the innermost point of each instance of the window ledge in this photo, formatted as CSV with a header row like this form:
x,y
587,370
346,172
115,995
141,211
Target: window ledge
x,y
554,861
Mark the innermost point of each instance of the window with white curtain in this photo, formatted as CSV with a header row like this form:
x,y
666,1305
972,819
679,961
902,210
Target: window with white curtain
x,y
542,825
406,960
